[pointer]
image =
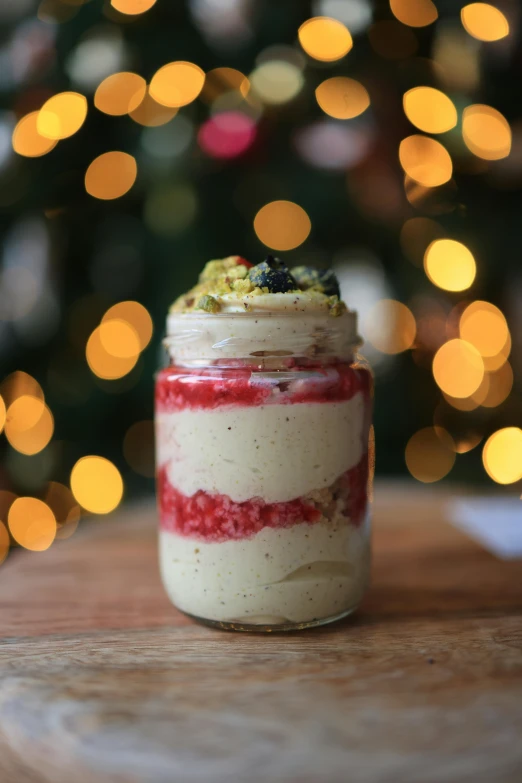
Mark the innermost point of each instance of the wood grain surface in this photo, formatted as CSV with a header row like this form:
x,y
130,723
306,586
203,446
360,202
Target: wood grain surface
x,y
102,680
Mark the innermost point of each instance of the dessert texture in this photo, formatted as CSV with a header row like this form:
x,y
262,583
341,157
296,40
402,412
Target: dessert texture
x,y
263,449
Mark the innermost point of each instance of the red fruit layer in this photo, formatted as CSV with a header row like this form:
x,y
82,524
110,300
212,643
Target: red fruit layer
x,y
178,388
216,518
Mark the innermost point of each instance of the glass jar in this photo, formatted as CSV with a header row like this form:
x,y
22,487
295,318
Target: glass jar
x,y
265,463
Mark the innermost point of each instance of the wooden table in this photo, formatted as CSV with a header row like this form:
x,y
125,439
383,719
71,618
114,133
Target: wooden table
x,y
102,680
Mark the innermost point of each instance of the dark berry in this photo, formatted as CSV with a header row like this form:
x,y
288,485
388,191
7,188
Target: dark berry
x,y
323,280
277,279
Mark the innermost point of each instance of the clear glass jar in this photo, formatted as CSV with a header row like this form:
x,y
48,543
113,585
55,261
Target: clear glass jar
x,y
265,463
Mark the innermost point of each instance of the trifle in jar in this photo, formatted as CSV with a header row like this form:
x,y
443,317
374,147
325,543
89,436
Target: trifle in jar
x,y
264,459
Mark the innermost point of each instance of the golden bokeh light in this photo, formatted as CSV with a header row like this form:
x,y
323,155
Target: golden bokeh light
x,y
342,98
325,39
498,386
463,403
97,484
414,13
138,448
177,84
429,109
432,201
276,81
132,7
450,265
390,326
484,21
282,225
111,175
152,114
17,384
120,93
32,523
62,115
458,368
4,542
66,510
28,141
425,160
119,338
484,326
2,413
106,365
486,132
222,80
430,454
134,314
492,363
29,425
416,234
502,455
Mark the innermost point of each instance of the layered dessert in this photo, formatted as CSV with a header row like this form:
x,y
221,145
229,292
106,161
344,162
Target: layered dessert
x,y
263,423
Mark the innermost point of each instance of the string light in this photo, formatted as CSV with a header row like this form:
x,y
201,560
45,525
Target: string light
x,y
458,368
450,265
430,110
502,455
430,454
97,484
415,13
342,98
425,160
111,175
120,93
62,115
28,141
282,225
32,523
177,84
325,39
484,21
486,132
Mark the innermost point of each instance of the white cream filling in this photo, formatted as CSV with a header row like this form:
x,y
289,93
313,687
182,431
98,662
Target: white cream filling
x,y
275,452
296,574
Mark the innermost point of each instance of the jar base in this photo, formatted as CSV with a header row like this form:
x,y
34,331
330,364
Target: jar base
x,y
225,625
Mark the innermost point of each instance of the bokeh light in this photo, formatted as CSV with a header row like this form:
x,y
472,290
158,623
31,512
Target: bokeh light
x,y
177,84
390,326
111,175
32,523
28,141
96,484
282,225
62,115
66,510
415,13
4,542
2,413
486,132
484,326
132,7
227,135
450,265
29,424
430,110
219,81
18,383
276,81
120,93
425,160
342,98
498,386
502,455
138,448
324,38
430,454
152,114
458,368
416,235
119,338
484,21
104,364
134,314
431,201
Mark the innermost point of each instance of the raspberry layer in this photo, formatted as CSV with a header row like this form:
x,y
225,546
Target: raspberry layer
x,y
216,518
211,388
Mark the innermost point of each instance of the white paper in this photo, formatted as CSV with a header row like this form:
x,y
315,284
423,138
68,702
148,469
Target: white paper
x,y
496,523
